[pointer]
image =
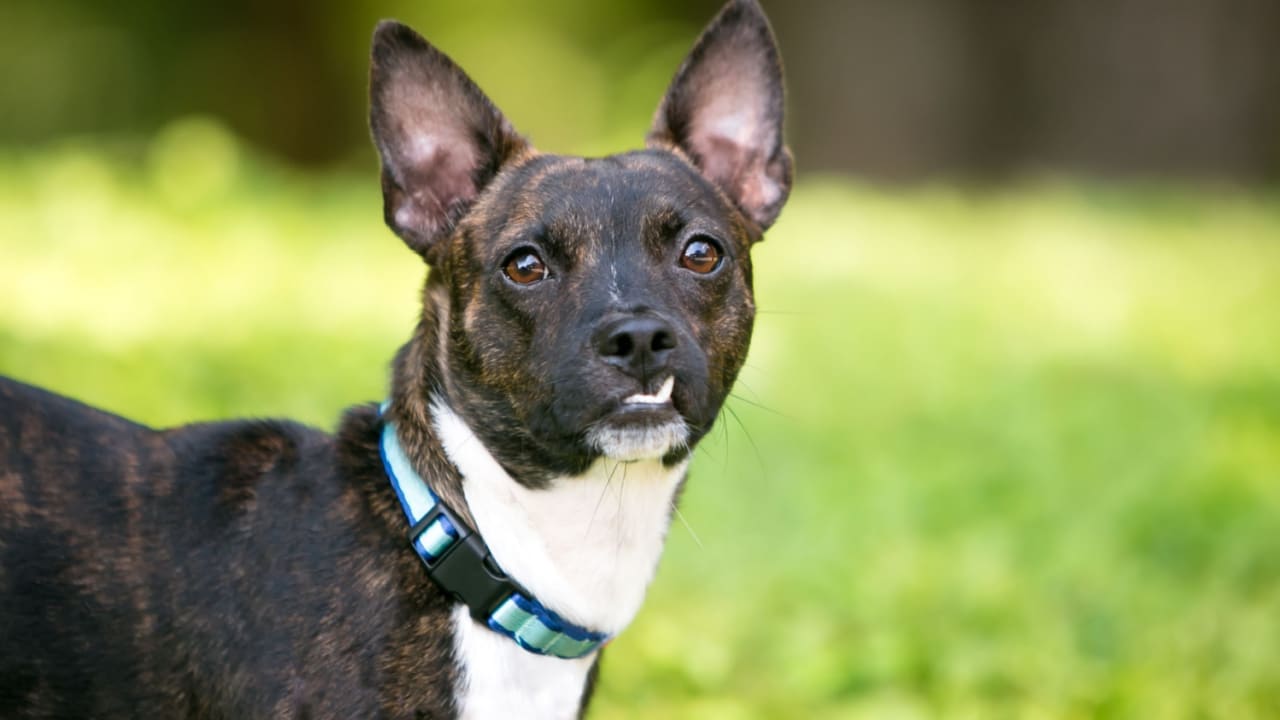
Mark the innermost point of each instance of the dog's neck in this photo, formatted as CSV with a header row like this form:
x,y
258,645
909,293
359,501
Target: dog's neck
x,y
586,546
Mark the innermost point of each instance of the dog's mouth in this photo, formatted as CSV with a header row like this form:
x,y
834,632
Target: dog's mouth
x,y
643,426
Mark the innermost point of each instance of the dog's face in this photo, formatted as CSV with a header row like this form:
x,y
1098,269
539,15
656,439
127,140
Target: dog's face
x,y
587,307
605,303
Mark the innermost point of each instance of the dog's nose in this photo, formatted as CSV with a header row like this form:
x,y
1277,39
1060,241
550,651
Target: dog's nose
x,y
639,346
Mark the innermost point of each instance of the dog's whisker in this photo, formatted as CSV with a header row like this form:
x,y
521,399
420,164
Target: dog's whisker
x,y
802,313
750,440
752,367
724,442
740,383
622,488
760,406
679,515
603,491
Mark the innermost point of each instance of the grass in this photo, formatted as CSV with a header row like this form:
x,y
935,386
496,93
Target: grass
x,y
1004,454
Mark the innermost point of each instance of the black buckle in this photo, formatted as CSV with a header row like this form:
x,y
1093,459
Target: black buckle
x,y
466,569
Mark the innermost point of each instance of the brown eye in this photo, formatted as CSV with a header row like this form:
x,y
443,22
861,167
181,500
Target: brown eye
x,y
701,255
524,267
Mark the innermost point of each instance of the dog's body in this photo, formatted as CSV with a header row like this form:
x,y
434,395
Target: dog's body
x,y
582,325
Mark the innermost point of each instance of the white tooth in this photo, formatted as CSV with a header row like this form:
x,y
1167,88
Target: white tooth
x,y
664,394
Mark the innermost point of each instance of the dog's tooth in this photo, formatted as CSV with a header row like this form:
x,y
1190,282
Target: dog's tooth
x,y
662,396
664,393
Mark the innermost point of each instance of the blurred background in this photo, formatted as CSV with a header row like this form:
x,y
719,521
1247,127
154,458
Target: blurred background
x,y
886,89
1008,441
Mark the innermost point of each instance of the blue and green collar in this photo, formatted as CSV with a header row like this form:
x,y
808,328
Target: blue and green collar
x,y
460,563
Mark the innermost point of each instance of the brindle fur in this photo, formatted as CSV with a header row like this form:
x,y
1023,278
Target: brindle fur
x,y
258,569
222,570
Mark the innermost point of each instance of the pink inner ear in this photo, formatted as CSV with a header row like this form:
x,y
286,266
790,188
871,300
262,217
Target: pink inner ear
x,y
437,173
434,156
742,172
731,134
439,137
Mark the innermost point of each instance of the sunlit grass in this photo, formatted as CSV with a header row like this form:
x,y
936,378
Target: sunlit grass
x,y
997,454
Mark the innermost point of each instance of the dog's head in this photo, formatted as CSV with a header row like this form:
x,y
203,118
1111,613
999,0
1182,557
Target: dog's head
x,y
586,307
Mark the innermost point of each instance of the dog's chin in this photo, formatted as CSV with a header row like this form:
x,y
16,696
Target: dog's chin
x,y
628,439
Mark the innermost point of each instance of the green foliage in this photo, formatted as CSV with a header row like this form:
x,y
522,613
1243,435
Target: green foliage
x,y
573,75
1002,454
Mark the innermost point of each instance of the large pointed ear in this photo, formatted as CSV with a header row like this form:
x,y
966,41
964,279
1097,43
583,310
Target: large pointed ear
x,y
724,111
439,138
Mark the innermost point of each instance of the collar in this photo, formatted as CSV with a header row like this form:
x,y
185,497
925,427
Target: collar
x,y
460,563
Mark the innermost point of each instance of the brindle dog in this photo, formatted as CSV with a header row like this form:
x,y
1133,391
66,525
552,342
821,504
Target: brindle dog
x,y
579,314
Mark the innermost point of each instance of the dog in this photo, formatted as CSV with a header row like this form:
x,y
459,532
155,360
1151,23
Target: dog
x,y
466,548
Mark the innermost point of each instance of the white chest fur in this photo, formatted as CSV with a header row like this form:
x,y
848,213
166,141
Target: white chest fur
x,y
585,546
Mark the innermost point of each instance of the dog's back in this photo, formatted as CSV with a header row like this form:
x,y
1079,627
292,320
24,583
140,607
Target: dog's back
x,y
73,528
149,573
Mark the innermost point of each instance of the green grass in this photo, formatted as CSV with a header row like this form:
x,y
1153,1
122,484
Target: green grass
x,y
1006,454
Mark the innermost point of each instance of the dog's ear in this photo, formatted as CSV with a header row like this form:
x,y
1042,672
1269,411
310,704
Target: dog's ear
x,y
724,111
439,138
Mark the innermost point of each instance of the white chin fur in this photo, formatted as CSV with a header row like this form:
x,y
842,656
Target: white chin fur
x,y
628,444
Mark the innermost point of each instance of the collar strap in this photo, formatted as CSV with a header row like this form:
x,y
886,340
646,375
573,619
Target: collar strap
x,y
460,563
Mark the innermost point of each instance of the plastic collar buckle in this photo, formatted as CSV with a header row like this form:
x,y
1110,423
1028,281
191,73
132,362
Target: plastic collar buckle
x,y
465,569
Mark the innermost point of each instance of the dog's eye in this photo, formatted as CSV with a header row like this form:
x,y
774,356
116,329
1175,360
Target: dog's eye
x,y
524,267
701,255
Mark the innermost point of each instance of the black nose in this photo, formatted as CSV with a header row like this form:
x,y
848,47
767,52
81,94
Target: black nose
x,y
639,346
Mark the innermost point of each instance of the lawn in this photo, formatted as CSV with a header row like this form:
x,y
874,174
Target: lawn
x,y
1008,453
